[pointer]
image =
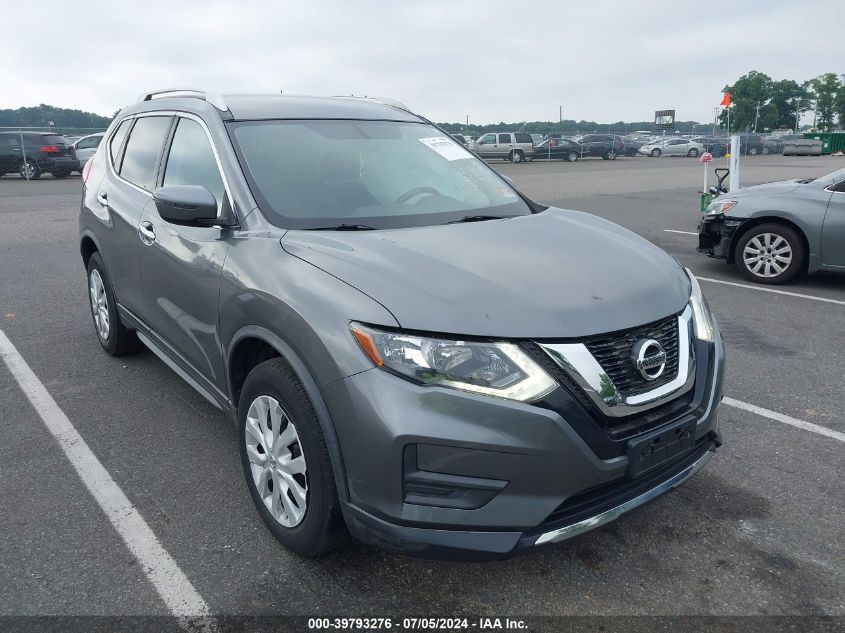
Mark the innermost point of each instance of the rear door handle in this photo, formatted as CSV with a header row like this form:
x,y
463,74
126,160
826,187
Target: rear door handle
x,y
146,233
103,198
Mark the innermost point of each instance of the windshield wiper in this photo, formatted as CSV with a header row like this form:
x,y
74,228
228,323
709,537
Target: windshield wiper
x,y
344,227
479,218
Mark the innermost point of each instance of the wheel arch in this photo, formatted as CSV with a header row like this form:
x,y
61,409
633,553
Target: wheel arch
x,y
87,247
254,344
767,219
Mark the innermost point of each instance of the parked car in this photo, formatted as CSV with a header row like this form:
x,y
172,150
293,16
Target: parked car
x,y
632,145
716,145
460,138
85,148
751,144
41,152
513,146
558,148
775,231
410,347
607,146
672,147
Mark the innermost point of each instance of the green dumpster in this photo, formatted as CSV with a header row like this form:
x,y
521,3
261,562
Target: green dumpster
x,y
831,141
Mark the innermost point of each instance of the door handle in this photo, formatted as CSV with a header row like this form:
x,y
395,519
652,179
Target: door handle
x,y
103,198
146,233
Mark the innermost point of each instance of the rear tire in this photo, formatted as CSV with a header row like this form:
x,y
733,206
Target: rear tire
x,y
770,253
765,151
116,338
311,508
516,156
572,157
609,154
752,151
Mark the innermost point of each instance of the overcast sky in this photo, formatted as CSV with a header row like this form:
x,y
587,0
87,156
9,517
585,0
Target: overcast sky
x,y
489,59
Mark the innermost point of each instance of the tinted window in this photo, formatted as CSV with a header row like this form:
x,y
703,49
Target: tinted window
x,y
89,143
142,150
504,138
191,160
523,138
117,139
53,139
9,140
384,174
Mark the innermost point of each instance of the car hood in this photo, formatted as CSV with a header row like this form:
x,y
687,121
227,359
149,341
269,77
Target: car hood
x,y
766,189
556,274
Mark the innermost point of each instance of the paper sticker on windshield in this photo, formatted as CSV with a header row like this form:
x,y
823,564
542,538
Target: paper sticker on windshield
x,y
448,149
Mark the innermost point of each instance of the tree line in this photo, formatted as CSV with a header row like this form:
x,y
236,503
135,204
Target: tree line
x,y
759,103
42,115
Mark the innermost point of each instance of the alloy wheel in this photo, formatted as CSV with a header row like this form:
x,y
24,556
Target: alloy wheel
x,y
276,461
99,304
767,255
27,170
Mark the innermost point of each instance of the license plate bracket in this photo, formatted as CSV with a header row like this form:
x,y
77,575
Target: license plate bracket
x,y
659,447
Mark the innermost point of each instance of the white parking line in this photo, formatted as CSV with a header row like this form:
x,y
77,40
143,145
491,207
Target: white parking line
x,y
681,232
171,583
772,290
786,419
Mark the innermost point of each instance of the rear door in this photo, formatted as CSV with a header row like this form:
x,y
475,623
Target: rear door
x,y
504,145
181,265
10,152
134,150
833,229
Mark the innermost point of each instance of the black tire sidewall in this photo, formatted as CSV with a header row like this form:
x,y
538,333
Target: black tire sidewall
x,y
36,173
790,235
110,344
655,153
274,378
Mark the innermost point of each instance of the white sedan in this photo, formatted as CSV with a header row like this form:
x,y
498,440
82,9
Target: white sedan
x,y
672,147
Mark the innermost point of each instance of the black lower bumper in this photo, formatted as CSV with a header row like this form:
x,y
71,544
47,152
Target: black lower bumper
x,y
715,236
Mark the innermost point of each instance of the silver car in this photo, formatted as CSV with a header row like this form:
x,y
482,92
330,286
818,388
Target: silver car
x,y
775,231
86,147
673,147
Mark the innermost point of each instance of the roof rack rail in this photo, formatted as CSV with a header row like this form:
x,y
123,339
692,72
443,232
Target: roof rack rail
x,y
383,100
213,98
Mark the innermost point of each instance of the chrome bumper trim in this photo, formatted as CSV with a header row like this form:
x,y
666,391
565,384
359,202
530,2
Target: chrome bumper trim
x,y
607,516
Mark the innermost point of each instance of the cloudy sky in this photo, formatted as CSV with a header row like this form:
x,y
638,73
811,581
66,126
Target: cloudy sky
x,y
604,60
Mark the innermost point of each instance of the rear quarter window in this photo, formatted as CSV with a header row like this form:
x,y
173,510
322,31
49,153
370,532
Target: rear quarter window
x,y
523,138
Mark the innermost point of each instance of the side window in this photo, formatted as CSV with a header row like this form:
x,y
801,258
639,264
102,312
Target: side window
x,y
89,143
839,187
487,139
142,150
9,140
504,138
117,140
191,160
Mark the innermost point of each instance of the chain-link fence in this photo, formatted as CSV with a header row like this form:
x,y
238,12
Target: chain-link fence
x,y
31,152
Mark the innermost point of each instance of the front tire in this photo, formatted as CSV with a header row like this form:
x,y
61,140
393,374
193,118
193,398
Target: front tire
x,y
116,339
766,151
29,170
752,151
770,254
692,153
655,153
286,461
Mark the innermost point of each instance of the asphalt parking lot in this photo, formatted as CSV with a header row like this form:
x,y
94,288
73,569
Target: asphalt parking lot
x,y
757,532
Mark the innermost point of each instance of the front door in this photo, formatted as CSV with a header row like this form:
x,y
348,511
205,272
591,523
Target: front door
x,y
833,229
181,265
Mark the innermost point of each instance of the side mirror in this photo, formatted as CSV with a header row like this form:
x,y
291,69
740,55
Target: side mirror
x,y
185,204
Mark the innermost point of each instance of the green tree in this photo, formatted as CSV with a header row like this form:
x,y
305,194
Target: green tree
x,y
825,89
747,94
839,103
790,100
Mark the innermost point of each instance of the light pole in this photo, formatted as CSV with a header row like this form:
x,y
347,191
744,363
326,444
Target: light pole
x,y
756,116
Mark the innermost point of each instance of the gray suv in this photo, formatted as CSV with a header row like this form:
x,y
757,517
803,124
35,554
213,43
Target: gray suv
x,y
414,352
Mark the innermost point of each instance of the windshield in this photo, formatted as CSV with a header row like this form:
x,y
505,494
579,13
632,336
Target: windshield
x,y
836,176
379,174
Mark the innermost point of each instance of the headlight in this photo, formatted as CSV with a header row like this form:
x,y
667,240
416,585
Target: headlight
x,y
705,330
493,369
720,206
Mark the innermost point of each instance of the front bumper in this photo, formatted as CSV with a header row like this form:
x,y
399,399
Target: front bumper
x,y
716,235
446,474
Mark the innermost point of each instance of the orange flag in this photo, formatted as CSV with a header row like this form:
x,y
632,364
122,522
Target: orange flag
x,y
726,100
